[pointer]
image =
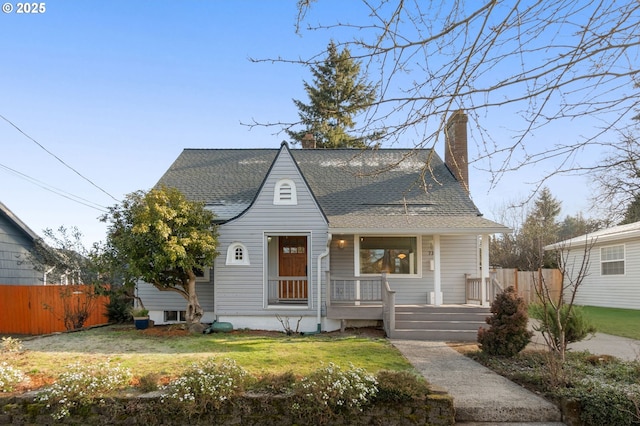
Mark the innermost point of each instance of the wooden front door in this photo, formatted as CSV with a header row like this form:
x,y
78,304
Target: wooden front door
x,y
292,266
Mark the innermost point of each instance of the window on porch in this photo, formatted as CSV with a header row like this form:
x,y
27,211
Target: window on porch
x,y
393,255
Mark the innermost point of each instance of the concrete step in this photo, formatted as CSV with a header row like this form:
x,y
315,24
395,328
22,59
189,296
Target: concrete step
x,y
436,335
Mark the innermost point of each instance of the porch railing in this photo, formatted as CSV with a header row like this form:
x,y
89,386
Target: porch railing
x,y
474,289
288,290
355,290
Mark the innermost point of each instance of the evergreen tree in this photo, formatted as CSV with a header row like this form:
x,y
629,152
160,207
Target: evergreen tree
x,y
336,95
540,229
632,214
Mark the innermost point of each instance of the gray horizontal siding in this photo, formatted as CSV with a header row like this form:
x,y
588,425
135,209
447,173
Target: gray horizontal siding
x,y
458,256
241,289
14,249
156,300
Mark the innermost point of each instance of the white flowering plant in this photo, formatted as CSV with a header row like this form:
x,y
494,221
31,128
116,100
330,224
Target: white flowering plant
x,y
10,377
206,385
330,390
11,344
82,384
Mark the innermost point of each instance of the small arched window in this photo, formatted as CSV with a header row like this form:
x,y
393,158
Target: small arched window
x,y
285,192
237,254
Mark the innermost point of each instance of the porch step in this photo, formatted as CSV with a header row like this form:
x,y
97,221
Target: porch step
x,y
440,323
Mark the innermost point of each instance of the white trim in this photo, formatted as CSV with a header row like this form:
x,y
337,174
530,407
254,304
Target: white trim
x,y
418,256
265,265
232,254
623,260
285,193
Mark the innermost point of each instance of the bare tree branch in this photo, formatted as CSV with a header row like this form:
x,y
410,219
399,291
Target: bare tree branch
x,y
531,63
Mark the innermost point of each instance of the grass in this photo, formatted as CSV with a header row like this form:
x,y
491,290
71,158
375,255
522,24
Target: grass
x,y
619,322
169,355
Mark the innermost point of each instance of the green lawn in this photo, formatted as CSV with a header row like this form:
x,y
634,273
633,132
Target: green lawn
x,y
619,322
169,355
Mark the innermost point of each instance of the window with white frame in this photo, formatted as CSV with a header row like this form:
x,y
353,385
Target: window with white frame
x,y
612,260
392,255
285,192
170,316
237,254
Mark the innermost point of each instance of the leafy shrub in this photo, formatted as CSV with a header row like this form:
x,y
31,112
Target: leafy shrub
x,y
331,390
81,385
10,377
508,333
11,344
606,403
399,386
206,385
576,326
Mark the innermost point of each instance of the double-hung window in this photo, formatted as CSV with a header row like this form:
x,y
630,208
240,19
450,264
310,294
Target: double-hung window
x,y
612,260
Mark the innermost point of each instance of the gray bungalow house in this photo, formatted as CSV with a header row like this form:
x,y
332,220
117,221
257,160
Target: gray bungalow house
x,y
16,240
322,237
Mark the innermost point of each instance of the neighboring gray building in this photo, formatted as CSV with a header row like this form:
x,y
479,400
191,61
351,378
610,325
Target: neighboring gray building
x,y
310,234
613,276
16,240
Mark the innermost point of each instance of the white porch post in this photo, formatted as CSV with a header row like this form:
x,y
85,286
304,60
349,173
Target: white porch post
x,y
485,268
437,282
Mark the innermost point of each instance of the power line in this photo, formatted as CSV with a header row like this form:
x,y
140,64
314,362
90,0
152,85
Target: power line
x,y
56,191
58,158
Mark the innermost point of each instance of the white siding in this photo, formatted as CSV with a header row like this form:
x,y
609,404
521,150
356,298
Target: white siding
x,y
614,291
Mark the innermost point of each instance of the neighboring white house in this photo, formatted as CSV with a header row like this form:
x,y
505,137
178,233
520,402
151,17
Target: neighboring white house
x,y
315,234
613,277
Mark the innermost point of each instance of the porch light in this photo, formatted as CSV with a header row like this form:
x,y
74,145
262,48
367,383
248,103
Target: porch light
x,y
341,243
402,256
268,239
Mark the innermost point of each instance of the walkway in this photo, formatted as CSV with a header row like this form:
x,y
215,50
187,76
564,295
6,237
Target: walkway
x,y
480,396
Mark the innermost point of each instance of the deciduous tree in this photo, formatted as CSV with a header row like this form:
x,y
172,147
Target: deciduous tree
x,y
532,65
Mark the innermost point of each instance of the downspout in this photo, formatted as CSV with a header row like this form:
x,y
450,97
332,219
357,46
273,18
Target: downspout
x,y
321,256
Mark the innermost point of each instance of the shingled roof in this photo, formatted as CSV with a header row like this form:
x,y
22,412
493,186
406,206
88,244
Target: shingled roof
x,y
356,189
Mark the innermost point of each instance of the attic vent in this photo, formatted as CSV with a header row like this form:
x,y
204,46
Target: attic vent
x,y
285,193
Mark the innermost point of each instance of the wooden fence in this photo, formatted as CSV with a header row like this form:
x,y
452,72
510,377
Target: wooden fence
x,y
525,282
39,309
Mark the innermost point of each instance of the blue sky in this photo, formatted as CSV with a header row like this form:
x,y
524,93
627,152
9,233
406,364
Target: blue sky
x,y
117,89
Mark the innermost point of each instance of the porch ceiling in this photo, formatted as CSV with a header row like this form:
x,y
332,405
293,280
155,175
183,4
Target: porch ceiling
x,y
413,224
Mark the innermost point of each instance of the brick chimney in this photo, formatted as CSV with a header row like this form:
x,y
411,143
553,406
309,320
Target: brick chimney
x,y
456,156
308,141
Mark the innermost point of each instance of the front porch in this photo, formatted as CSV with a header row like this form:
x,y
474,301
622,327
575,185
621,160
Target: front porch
x,y
371,298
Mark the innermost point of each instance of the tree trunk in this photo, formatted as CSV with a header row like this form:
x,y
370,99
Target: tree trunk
x,y
194,310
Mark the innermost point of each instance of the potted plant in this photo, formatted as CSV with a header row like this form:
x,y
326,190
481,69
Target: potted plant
x,y
140,317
